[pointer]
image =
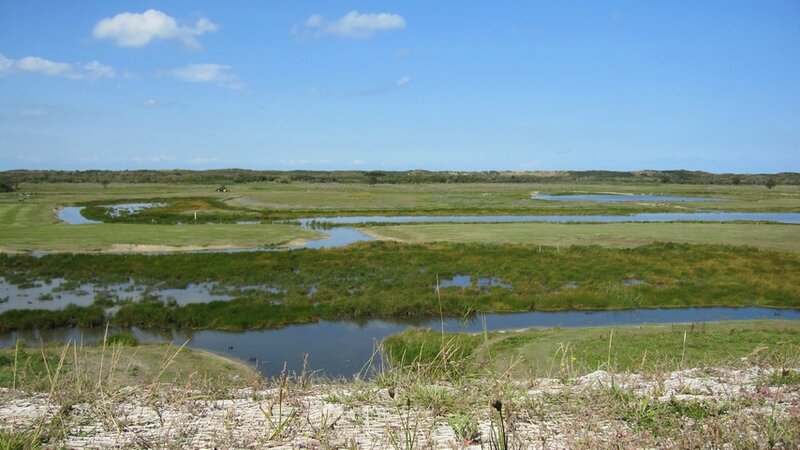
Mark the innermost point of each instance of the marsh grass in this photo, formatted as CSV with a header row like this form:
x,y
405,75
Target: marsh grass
x,y
394,280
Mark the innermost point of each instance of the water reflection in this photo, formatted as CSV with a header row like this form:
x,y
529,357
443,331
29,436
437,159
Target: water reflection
x,y
615,198
342,348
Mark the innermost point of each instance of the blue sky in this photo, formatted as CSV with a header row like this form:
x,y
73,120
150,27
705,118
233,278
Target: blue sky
x,y
517,85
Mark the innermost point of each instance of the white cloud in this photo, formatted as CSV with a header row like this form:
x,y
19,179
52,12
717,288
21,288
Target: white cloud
x,y
36,64
357,162
137,30
150,103
314,20
404,81
94,70
352,25
218,74
6,64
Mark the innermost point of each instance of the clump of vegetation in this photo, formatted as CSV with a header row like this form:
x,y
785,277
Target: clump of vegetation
x,y
125,339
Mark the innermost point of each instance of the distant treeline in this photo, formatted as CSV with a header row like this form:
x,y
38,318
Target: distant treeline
x,y
10,179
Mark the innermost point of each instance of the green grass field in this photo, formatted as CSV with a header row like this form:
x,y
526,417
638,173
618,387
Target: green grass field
x,y
767,236
561,352
133,238
28,217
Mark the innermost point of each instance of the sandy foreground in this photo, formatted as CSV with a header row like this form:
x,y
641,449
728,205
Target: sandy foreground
x,y
598,410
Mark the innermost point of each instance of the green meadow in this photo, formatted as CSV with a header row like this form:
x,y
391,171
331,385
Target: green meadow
x,y
767,236
29,222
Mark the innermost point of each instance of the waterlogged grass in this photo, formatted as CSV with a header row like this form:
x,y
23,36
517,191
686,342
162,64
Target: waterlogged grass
x,y
567,352
767,236
385,279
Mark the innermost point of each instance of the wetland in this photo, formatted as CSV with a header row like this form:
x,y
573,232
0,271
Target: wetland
x,y
370,262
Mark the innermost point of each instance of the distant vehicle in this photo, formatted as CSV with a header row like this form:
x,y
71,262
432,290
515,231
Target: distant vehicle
x,y
222,188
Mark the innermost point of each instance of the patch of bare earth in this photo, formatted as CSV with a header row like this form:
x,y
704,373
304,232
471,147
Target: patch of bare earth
x,y
698,408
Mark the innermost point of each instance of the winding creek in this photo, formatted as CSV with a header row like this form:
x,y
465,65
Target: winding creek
x,y
341,235
343,348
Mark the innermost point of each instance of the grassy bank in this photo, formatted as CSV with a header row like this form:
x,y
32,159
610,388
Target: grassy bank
x,y
571,352
767,236
119,363
385,279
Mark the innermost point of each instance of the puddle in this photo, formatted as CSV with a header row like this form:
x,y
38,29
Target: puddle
x,y
615,198
462,281
465,281
337,237
490,282
58,293
124,209
72,215
633,282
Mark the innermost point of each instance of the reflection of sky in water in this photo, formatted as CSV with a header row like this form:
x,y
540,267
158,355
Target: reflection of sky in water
x,y
614,198
465,281
56,294
342,348
72,215
641,217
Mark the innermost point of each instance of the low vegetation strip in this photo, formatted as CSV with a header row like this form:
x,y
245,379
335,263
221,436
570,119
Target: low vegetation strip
x,y
767,236
573,352
385,279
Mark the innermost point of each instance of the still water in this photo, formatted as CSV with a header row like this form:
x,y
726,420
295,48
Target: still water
x,y
615,198
343,348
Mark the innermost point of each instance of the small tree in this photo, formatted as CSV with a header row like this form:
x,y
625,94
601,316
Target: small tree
x,y
770,183
737,180
6,186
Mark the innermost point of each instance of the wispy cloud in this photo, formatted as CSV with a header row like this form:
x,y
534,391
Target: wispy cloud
x,y
202,160
139,29
93,70
156,158
33,112
218,74
381,89
353,25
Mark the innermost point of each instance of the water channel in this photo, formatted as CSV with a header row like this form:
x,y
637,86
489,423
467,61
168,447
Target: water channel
x,y
343,348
